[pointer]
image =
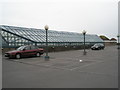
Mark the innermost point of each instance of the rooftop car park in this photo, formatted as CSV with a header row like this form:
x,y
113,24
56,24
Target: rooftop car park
x,y
64,69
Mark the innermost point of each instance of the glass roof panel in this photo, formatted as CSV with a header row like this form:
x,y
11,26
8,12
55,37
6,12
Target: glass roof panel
x,y
39,35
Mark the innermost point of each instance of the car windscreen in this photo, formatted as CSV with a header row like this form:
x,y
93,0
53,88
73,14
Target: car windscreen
x,y
20,48
96,44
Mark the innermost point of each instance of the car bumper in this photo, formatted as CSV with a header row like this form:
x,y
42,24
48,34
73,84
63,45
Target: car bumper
x,y
9,55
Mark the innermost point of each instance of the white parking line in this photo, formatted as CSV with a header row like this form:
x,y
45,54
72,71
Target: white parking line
x,y
86,65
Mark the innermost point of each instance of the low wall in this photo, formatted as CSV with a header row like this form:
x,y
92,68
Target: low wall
x,y
54,48
66,48
110,43
62,48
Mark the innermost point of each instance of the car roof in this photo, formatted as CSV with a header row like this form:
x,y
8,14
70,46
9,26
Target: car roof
x,y
100,43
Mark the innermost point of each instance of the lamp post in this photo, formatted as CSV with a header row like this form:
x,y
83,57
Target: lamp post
x,y
118,41
84,32
46,28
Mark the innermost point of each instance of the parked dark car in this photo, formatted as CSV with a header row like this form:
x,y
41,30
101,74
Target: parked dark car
x,y
25,51
98,46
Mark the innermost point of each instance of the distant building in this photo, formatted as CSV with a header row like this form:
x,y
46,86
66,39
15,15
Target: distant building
x,y
104,38
113,39
108,41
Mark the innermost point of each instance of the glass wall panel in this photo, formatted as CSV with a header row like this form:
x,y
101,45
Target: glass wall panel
x,y
39,36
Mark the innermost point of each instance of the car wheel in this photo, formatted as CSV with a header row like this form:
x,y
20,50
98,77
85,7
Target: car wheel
x,y
18,56
98,48
38,54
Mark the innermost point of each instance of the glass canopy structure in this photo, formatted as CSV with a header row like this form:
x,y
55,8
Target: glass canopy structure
x,y
12,36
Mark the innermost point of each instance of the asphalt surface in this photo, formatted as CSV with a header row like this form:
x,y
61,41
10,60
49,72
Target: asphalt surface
x,y
68,69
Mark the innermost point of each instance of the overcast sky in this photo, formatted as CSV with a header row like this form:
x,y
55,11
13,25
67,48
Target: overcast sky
x,y
95,16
